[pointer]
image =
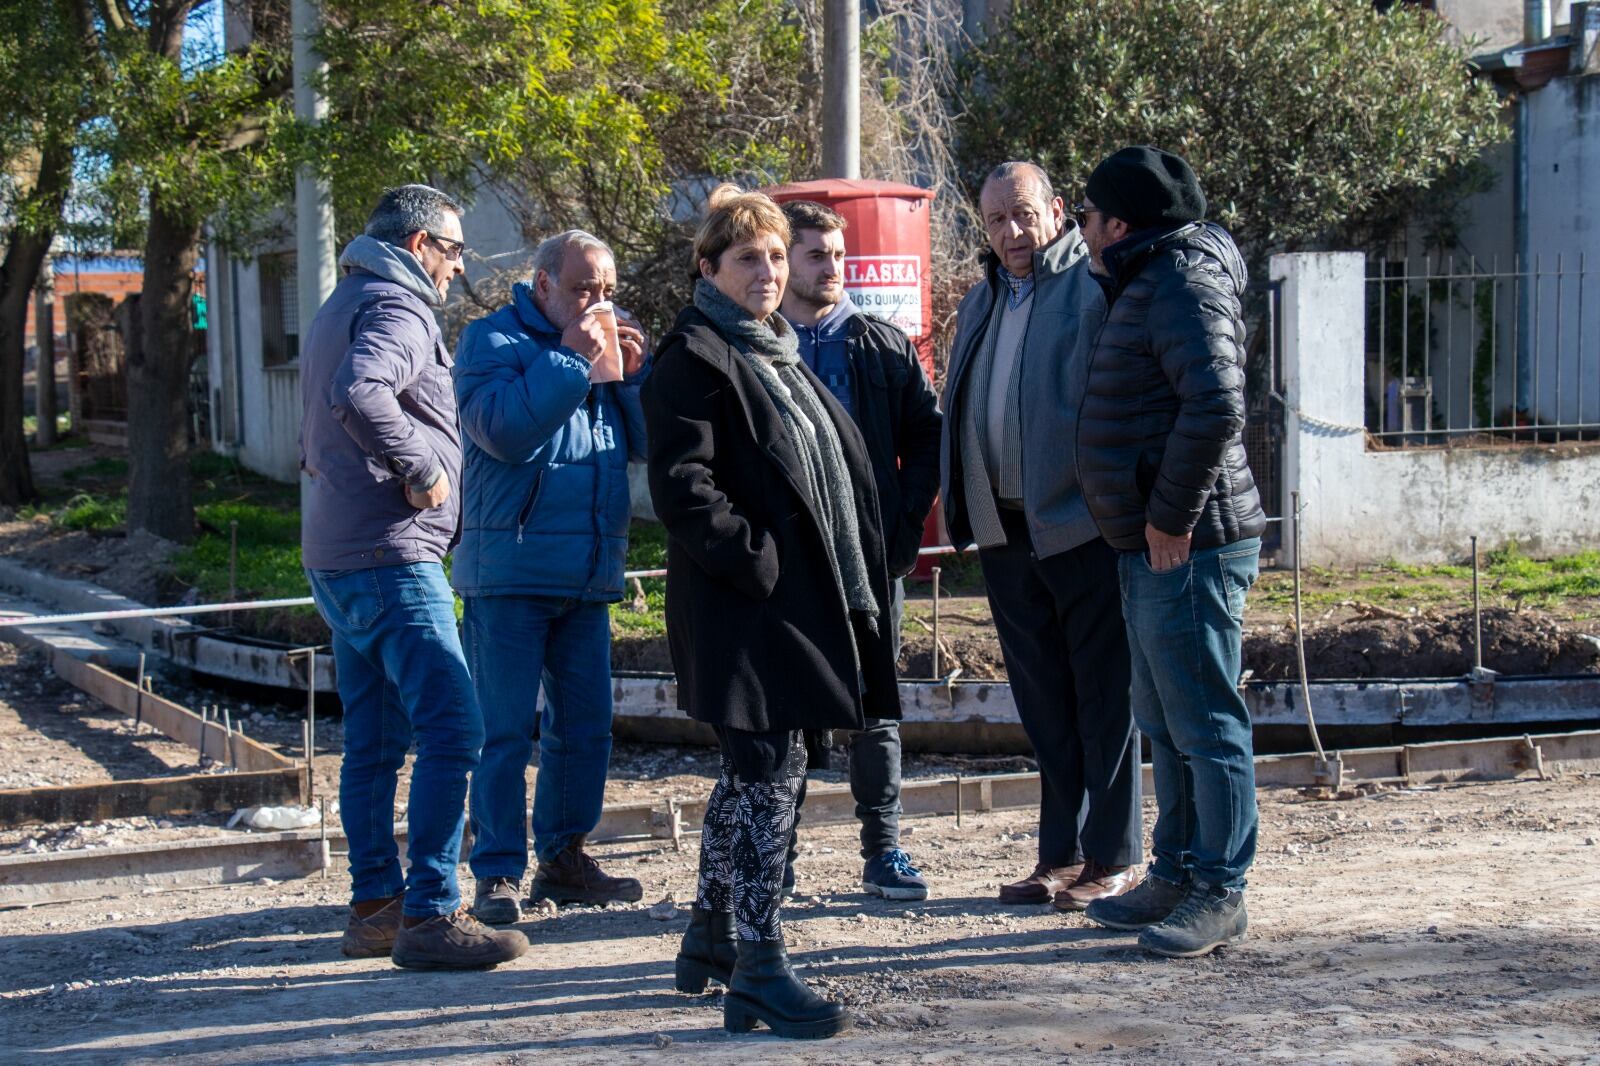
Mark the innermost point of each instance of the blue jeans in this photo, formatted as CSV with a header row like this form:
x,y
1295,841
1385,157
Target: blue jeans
x,y
1184,631
514,644
402,677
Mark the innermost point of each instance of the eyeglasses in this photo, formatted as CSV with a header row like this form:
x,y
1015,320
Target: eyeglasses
x,y
452,250
1081,212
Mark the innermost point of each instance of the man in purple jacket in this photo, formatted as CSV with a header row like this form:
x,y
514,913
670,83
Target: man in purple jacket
x,y
381,446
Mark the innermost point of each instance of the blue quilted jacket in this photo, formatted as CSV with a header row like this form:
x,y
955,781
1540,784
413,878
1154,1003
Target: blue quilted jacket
x,y
545,487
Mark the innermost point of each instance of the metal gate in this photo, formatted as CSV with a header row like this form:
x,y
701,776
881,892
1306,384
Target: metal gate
x,y
1264,411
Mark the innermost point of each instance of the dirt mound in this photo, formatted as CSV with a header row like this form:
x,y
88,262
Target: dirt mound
x,y
641,654
135,565
1432,645
977,655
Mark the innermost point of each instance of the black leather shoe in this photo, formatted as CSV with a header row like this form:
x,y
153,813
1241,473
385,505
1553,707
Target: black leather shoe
x,y
765,989
708,952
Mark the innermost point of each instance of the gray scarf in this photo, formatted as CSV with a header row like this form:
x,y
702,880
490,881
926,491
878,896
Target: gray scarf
x,y
772,351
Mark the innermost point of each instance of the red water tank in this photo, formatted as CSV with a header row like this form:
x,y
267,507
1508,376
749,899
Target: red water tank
x,y
888,247
888,267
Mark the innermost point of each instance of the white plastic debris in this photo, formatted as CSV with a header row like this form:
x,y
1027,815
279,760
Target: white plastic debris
x,y
275,817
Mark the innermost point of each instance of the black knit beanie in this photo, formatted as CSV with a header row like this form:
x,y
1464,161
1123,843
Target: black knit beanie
x,y
1147,187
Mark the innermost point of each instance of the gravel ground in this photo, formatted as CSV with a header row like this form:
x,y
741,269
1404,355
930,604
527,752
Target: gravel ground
x,y
1432,925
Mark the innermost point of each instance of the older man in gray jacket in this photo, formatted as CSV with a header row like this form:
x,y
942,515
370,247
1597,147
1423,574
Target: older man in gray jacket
x,y
381,446
1016,378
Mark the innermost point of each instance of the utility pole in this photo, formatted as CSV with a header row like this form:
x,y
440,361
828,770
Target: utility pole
x,y
841,89
44,375
313,199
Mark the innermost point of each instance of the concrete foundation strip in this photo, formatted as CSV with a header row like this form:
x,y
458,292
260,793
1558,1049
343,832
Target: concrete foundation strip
x,y
948,702
1418,702
28,880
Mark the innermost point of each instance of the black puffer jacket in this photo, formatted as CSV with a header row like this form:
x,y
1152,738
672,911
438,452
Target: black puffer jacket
x,y
1160,428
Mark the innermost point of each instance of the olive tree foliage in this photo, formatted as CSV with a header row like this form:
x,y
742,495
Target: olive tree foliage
x,y
1301,119
188,136
615,118
46,86
610,117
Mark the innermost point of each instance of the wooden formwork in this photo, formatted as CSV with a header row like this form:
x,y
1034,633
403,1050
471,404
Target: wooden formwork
x,y
28,880
263,776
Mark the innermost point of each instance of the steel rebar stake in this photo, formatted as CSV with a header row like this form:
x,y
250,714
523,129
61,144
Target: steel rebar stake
x,y
936,663
1477,612
311,718
138,700
227,729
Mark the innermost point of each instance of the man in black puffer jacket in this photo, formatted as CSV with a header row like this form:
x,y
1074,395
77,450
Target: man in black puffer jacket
x,y
1162,464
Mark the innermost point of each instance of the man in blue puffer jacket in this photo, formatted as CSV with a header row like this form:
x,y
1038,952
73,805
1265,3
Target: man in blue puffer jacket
x,y
544,534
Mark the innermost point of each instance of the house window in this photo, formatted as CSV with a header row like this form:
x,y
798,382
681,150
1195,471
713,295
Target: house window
x,y
280,310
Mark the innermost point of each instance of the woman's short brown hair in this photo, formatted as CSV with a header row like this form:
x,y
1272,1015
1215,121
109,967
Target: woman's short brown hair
x,y
734,216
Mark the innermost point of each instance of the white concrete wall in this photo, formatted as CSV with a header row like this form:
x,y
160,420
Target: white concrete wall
x,y
1412,505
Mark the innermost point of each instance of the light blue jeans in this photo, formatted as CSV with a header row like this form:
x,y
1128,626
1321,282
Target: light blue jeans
x,y
402,678
1184,631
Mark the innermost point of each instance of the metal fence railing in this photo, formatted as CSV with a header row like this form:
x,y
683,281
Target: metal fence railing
x,y
1457,349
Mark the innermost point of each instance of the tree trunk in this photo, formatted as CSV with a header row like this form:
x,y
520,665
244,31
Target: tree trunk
x,y
44,375
25,251
159,500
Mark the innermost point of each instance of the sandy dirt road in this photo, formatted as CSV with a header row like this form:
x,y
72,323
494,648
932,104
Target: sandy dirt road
x,y
1442,925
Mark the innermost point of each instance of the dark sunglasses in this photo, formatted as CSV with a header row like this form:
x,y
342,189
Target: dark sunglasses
x,y
452,250
1081,212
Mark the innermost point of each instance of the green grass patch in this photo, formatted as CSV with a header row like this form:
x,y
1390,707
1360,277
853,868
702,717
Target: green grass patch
x,y
1547,581
647,550
268,557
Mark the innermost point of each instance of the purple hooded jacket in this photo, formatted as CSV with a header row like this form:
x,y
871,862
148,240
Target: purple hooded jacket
x,y
379,414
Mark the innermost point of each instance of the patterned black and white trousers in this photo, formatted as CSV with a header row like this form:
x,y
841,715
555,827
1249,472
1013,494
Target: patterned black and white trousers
x,y
749,818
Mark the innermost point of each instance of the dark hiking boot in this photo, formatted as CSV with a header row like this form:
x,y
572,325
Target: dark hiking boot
x,y
892,875
371,936
1144,905
572,876
1209,917
765,989
709,951
455,941
497,901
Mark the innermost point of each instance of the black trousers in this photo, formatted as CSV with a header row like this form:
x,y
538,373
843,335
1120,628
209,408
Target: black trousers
x,y
1060,626
874,765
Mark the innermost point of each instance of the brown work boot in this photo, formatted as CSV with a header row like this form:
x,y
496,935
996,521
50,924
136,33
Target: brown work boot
x,y
372,927
1041,885
573,876
455,941
1095,882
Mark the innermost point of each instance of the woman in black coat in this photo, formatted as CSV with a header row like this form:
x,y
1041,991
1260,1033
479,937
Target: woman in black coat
x,y
777,591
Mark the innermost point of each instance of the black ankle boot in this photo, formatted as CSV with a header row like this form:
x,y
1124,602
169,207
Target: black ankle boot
x,y
765,989
708,951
